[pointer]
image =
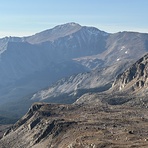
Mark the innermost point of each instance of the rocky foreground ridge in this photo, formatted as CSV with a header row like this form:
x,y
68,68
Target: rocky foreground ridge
x,y
79,126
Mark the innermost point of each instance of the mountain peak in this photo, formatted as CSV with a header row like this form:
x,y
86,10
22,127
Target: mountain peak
x,y
70,27
74,24
55,33
71,24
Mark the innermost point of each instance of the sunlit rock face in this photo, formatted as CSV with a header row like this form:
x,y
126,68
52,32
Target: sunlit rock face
x,y
134,78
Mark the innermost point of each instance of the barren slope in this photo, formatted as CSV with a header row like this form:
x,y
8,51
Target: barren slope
x,y
79,126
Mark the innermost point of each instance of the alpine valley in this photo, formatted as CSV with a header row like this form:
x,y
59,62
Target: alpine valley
x,y
90,89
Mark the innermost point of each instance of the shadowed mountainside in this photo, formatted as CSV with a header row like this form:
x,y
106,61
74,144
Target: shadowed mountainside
x,y
31,64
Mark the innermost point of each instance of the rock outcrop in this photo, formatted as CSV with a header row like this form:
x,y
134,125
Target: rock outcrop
x,y
135,78
79,126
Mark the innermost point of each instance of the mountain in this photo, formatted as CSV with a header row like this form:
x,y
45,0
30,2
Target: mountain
x,y
25,60
70,88
134,79
125,45
83,57
54,34
105,89
22,57
79,126
128,88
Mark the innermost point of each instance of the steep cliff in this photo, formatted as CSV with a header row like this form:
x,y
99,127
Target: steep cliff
x,y
134,79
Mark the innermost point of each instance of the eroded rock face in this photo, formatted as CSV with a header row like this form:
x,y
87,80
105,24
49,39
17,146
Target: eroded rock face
x,y
41,122
134,78
24,119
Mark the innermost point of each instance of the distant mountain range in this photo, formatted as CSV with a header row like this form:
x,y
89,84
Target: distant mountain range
x,y
85,58
39,64
95,84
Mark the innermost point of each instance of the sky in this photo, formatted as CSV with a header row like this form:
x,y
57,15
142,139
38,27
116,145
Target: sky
x,y
27,17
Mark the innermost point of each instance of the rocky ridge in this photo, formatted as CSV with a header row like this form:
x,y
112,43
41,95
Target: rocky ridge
x,y
134,79
30,64
79,126
76,85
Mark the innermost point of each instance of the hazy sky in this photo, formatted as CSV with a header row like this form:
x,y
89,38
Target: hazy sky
x,y
26,17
